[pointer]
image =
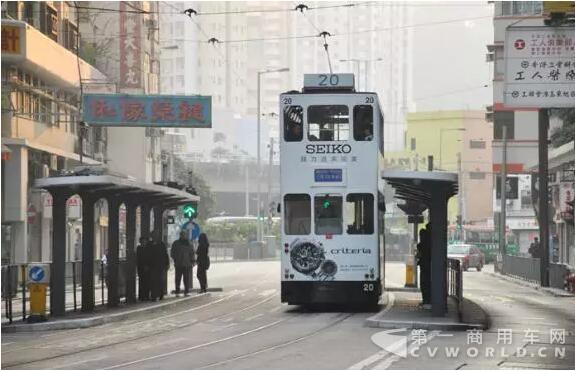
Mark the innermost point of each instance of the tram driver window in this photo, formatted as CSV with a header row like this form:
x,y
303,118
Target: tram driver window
x,y
359,213
297,209
293,123
328,214
328,123
363,123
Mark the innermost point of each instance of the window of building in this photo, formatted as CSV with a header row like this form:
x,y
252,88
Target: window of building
x,y
328,214
477,144
328,123
477,175
363,123
521,7
359,213
503,118
293,123
413,144
297,214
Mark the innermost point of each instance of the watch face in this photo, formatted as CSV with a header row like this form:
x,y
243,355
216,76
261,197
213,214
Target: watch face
x,y
306,257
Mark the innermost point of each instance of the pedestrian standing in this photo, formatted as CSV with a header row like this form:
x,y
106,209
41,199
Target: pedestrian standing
x,y
183,255
143,265
535,249
159,265
424,261
203,261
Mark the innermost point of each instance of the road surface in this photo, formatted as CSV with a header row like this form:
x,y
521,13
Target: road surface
x,y
246,327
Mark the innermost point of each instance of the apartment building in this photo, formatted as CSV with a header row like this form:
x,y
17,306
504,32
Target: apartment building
x,y
41,80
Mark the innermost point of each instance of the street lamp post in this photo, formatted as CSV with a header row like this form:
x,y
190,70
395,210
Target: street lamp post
x,y
358,61
441,142
259,222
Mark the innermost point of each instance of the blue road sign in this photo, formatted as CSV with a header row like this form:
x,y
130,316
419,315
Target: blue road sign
x,y
196,230
36,274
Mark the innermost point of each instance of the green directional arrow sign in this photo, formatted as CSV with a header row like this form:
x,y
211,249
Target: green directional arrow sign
x,y
190,211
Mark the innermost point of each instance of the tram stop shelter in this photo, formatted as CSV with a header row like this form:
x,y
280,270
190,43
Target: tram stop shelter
x,y
431,189
116,190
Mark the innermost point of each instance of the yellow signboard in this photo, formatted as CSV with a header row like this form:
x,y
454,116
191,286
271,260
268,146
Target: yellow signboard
x,y
558,7
11,36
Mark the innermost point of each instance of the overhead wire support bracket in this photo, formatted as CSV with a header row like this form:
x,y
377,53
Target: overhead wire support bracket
x,y
325,34
301,8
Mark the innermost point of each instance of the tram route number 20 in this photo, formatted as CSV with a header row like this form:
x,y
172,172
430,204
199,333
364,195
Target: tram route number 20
x,y
328,80
368,287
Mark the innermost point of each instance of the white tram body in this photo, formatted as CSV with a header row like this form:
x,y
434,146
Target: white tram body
x,y
330,148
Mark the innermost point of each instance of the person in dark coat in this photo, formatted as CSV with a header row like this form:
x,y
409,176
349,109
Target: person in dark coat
x,y
159,265
535,249
424,262
182,253
203,261
143,264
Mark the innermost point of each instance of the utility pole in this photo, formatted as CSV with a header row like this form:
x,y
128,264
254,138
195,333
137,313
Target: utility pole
x,y
502,186
459,198
247,171
543,196
271,158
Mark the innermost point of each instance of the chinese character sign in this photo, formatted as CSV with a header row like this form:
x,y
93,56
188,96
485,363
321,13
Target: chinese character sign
x,y
12,39
540,67
130,57
147,110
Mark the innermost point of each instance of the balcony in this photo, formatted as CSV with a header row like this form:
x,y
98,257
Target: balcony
x,y
50,61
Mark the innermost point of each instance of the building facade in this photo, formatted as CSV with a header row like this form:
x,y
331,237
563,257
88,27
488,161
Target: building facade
x,y
41,89
521,123
460,142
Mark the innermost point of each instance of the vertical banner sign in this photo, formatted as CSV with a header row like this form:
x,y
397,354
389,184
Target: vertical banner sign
x,y
540,67
130,47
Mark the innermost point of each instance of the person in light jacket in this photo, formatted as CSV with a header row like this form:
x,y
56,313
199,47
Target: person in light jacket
x,y
183,255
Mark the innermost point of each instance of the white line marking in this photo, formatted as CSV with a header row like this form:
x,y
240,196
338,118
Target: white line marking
x,y
196,346
224,327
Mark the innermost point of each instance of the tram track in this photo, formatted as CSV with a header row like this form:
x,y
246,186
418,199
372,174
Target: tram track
x,y
148,335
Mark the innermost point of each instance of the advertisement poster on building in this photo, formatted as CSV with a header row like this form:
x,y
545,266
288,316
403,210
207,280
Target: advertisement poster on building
x,y
539,67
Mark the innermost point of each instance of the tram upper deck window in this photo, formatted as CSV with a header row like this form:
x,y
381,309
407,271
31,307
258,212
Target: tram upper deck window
x,y
297,214
363,122
328,214
293,123
359,213
328,123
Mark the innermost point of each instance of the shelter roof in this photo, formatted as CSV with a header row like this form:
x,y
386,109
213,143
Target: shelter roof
x,y
421,186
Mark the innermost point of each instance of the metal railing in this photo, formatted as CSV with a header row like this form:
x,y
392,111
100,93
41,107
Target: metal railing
x,y
455,280
527,269
15,287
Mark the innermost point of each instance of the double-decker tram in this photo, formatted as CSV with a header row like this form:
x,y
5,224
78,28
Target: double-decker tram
x,y
332,217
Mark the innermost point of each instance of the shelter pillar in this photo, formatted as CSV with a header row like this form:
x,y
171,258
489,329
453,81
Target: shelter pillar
x,y
159,228
88,300
145,220
113,251
438,216
131,251
58,268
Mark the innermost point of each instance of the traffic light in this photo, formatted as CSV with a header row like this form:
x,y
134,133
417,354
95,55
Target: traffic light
x,y
459,222
190,211
326,204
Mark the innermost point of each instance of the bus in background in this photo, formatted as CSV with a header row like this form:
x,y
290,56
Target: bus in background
x,y
332,217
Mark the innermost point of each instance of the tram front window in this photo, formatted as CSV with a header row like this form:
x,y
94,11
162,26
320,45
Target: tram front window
x,y
363,123
297,214
359,213
328,123
293,123
328,214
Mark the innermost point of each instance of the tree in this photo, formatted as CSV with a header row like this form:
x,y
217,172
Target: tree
x,y
183,174
565,133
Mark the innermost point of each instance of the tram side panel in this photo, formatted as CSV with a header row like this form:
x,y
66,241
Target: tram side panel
x,y
321,262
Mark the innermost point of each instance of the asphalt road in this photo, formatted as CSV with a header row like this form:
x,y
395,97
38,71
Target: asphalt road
x,y
246,327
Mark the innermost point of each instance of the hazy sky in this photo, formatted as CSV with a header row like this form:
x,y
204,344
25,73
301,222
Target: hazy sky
x,y
449,59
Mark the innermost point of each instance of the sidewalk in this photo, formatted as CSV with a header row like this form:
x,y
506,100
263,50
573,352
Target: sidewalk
x,y
490,269
402,310
102,314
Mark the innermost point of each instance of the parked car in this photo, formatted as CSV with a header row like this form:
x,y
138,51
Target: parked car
x,y
468,256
